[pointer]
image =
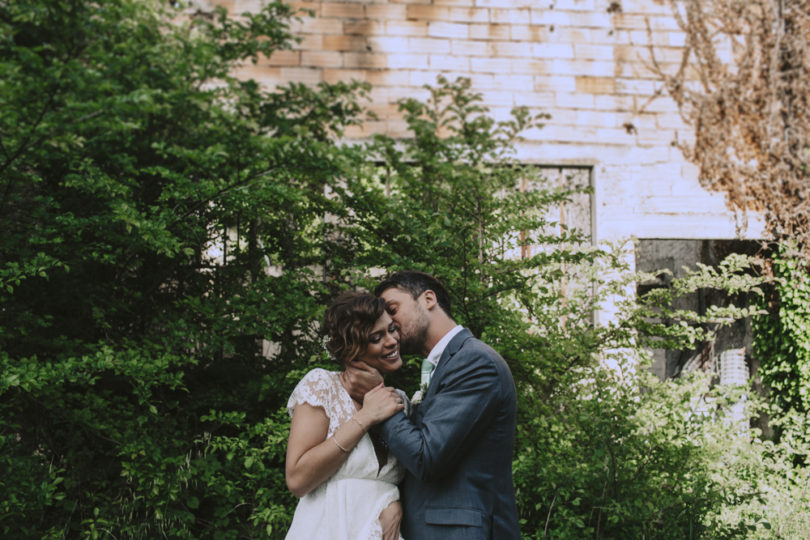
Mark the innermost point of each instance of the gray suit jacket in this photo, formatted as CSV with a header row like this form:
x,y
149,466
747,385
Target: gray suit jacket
x,y
457,448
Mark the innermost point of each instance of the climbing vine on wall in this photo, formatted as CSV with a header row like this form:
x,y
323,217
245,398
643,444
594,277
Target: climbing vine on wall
x,y
741,84
782,336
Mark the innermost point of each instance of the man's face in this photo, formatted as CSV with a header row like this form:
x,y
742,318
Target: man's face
x,y
411,316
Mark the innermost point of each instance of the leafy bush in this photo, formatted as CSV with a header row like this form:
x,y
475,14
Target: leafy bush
x,y
147,196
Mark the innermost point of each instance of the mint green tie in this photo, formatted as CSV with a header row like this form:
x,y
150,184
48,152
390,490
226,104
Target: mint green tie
x,y
427,370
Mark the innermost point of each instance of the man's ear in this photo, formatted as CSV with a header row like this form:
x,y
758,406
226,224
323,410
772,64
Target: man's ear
x,y
430,299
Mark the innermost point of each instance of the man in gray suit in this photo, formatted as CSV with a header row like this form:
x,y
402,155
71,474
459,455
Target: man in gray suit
x,y
457,444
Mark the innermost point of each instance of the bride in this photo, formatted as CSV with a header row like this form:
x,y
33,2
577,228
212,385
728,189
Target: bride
x,y
345,478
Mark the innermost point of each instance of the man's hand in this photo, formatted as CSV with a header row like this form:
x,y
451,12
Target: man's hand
x,y
361,379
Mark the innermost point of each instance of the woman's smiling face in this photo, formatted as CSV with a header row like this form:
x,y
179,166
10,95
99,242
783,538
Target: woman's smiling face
x,y
382,351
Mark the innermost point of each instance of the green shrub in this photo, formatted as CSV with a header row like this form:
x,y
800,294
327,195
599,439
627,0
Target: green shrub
x,y
147,196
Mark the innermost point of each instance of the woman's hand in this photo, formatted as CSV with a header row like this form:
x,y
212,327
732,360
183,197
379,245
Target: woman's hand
x,y
390,519
379,404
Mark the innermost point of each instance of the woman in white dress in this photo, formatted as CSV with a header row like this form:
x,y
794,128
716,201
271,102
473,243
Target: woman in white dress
x,y
346,480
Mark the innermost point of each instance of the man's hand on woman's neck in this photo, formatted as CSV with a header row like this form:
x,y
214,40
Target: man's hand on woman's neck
x,y
359,378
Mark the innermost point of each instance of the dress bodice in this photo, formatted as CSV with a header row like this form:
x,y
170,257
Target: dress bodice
x,y
348,504
322,388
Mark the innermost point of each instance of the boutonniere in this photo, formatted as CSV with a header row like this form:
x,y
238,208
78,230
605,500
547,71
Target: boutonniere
x,y
419,395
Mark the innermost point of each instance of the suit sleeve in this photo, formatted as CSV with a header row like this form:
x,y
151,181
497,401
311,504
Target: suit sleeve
x,y
452,420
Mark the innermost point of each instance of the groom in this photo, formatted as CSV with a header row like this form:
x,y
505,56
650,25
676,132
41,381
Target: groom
x,y
457,444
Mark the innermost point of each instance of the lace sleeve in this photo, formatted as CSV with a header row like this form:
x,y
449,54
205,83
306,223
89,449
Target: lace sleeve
x,y
313,389
405,401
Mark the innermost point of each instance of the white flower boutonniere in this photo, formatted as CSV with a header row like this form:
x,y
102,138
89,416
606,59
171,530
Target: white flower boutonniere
x,y
419,395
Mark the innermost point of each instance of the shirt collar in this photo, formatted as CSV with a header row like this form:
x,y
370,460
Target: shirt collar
x,y
437,350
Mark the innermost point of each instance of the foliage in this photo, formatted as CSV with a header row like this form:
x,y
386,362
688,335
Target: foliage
x,y
621,453
782,335
611,465
659,324
160,219
741,85
602,450
652,459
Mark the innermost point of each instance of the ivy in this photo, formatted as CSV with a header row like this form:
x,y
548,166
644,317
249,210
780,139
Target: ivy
x,y
782,333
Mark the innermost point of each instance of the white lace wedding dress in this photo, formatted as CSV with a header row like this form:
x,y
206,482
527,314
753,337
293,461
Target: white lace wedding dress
x,y
347,506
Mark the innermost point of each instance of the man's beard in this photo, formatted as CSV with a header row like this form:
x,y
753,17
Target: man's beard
x,y
414,341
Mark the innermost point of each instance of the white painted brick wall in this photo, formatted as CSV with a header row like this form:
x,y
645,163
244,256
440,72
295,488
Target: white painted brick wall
x,y
570,58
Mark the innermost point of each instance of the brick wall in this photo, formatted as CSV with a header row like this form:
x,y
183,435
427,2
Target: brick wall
x,y
582,61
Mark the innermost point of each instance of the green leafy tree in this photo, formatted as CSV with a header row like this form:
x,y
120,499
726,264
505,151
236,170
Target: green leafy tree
x,y
602,451
160,218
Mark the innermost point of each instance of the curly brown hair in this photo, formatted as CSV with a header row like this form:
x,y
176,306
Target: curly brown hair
x,y
348,322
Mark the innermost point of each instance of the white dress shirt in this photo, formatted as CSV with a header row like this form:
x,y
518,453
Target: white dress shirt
x,y
436,352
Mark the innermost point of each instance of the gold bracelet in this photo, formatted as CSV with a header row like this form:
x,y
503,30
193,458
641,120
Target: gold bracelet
x,y
334,439
359,423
